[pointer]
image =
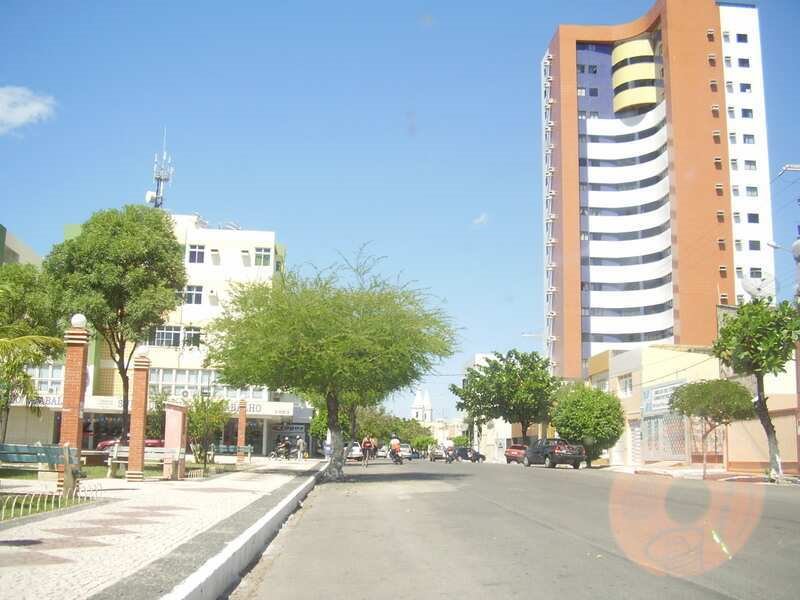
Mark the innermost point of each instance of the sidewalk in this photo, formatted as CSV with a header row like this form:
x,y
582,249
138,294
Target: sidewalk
x,y
141,539
683,471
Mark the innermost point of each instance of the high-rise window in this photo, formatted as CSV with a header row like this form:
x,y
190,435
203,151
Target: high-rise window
x,y
197,253
726,36
748,138
191,336
581,69
729,86
593,69
727,61
745,88
166,335
263,257
755,272
737,217
625,383
752,191
593,92
193,294
581,115
739,273
744,63
754,244
752,218
741,38
735,190
747,113
738,245
749,165
734,164
732,138
581,91
594,114
731,112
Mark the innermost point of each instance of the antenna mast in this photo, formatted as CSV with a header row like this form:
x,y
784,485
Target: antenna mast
x,y
162,173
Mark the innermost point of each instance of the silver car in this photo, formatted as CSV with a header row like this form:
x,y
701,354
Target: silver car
x,y
355,453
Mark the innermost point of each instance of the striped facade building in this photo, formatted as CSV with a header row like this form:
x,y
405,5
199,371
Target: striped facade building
x,y
655,178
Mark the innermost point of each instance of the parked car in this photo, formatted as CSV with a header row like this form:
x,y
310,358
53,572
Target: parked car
x,y
405,451
515,453
107,444
436,453
382,452
469,454
355,453
415,453
551,452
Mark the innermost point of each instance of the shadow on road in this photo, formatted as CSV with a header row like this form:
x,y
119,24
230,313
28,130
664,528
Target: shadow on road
x,y
366,476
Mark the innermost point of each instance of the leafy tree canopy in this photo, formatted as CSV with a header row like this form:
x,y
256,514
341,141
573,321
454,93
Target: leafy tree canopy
x,y
588,416
717,402
517,387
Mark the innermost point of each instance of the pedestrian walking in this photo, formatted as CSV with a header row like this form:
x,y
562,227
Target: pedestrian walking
x,y
301,448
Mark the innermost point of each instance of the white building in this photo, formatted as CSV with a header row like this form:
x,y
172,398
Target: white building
x,y
421,409
216,259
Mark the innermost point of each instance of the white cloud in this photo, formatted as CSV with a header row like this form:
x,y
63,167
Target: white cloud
x,y
481,219
20,106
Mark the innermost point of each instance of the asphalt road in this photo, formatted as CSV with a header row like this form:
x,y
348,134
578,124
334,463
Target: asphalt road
x,y
424,530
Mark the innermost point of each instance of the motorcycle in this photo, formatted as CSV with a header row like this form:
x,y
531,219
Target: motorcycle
x,y
450,455
396,457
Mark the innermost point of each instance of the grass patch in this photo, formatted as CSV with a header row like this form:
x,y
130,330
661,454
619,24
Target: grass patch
x,y
33,504
12,473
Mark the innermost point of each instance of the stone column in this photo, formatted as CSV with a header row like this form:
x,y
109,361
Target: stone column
x,y
76,339
242,426
138,415
175,439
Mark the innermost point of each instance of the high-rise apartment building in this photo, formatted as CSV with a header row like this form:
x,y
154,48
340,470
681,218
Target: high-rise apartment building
x,y
655,178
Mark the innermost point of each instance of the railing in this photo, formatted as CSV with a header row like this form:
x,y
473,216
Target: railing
x,y
43,501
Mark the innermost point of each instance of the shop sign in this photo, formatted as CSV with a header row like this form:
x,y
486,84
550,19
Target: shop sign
x,y
102,403
47,401
264,409
289,428
656,399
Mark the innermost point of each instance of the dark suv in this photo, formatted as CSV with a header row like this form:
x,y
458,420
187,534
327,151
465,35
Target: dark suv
x,y
551,452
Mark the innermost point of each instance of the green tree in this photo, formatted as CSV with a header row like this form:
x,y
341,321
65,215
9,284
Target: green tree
x,y
716,402
329,335
408,429
586,415
122,271
207,417
461,440
517,387
423,442
759,340
376,422
156,416
29,335
318,429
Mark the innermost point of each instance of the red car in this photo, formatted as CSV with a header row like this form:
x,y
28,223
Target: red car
x,y
516,453
108,444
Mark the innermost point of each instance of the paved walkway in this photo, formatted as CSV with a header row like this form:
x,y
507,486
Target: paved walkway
x,y
143,538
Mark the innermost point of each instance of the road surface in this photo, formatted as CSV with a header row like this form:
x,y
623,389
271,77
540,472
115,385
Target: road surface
x,y
433,530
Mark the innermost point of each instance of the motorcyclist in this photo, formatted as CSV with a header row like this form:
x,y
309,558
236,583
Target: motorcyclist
x,y
394,447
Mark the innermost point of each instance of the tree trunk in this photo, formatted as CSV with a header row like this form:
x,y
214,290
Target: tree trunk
x,y
776,471
6,416
125,386
545,427
337,446
352,417
524,424
706,431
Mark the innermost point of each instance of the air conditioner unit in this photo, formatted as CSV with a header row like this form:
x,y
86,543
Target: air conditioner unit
x,y
552,314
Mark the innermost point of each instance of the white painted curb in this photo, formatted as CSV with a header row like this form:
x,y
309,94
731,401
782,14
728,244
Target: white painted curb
x,y
222,570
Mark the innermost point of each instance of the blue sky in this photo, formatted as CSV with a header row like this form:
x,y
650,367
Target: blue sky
x,y
410,125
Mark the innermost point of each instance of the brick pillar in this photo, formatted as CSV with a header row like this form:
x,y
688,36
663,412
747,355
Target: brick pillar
x,y
175,439
138,416
240,431
76,339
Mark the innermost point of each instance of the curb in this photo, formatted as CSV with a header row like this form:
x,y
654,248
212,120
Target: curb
x,y
221,571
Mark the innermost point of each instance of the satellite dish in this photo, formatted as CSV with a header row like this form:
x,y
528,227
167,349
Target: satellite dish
x,y
759,287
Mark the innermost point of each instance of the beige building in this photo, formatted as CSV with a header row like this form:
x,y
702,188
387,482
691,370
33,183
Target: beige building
x,y
14,250
644,379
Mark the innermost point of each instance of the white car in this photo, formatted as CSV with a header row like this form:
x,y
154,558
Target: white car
x,y
405,451
382,452
355,452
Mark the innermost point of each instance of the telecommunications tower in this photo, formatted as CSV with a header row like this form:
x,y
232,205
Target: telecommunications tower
x,y
162,173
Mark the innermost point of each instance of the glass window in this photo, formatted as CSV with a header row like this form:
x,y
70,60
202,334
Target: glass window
x,y
581,115
735,190
727,61
731,112
755,272
739,272
257,393
181,377
739,299
168,376
749,165
747,113
745,88
754,245
593,91
205,378
741,38
729,86
197,253
752,191
593,69
581,91
726,36
581,68
752,218
744,62
737,217
734,164
748,138
193,294
594,114
625,383
166,335
191,337
263,257
732,138
738,244
723,298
